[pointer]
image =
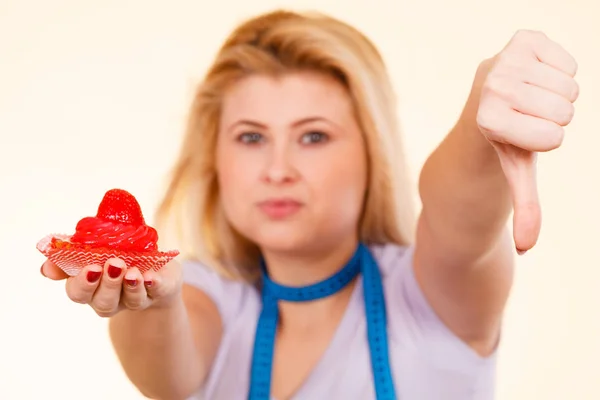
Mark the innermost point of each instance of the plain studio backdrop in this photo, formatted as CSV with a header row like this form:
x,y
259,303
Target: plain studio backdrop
x,y
93,96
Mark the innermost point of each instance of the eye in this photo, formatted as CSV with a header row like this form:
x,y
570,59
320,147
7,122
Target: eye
x,y
251,138
313,137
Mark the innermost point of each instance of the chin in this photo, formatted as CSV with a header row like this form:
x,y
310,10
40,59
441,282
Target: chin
x,y
282,240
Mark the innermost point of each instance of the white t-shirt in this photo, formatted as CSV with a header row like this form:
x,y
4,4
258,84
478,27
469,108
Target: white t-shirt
x,y
428,361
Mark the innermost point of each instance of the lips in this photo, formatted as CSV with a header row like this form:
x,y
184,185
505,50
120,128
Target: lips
x,y
280,208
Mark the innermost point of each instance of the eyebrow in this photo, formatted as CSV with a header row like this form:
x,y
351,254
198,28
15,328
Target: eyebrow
x,y
296,124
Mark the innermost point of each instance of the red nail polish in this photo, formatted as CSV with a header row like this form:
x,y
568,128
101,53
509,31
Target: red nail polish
x,y
148,283
131,282
114,272
93,276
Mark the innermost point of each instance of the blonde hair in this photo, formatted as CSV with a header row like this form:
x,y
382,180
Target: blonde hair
x,y
276,43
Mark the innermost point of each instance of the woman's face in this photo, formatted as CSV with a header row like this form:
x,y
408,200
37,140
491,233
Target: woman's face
x,y
291,162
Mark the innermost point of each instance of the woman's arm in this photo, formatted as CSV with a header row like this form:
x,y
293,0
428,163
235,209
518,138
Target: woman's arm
x,y
486,165
463,256
167,351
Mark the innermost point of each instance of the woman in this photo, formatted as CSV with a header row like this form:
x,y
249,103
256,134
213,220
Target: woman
x,y
302,279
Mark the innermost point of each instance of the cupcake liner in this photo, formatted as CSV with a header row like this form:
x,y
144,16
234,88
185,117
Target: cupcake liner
x,y
72,260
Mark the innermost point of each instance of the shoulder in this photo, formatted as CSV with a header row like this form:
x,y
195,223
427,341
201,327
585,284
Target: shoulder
x,y
402,293
229,295
412,319
391,257
405,300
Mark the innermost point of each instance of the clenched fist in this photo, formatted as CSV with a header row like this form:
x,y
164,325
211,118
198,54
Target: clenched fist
x,y
525,102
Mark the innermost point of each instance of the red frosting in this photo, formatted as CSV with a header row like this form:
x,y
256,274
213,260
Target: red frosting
x,y
98,232
118,224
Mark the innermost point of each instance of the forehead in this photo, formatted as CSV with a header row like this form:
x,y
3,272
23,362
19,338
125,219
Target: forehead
x,y
286,98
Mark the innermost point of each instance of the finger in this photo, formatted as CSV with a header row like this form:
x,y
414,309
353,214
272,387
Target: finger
x,y
547,77
134,295
51,271
501,123
520,169
81,288
545,50
164,283
551,53
107,297
155,285
539,102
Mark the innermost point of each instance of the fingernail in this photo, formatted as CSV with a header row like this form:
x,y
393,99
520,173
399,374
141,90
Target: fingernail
x,y
131,282
42,271
93,276
148,283
114,272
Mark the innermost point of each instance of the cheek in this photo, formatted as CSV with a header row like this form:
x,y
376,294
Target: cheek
x,y
232,187
237,178
340,184
232,170
344,196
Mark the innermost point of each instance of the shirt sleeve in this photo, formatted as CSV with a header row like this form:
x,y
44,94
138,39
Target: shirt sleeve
x,y
228,295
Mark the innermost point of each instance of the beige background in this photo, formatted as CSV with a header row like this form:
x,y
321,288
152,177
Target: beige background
x,y
92,95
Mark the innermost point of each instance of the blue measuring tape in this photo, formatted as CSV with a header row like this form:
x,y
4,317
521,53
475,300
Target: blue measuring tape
x,y
361,262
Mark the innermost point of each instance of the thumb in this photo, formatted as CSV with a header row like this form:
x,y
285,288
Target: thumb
x,y
51,271
520,170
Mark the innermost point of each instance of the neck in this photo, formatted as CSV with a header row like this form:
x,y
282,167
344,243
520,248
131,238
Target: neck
x,y
305,269
301,268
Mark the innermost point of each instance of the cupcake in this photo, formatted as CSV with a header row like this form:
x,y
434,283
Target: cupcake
x,y
117,230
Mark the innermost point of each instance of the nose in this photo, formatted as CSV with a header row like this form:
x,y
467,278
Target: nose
x,y
279,166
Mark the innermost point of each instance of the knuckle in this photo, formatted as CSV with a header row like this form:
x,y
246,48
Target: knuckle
x,y
493,84
103,307
501,85
536,34
104,314
485,119
514,93
505,59
133,305
482,120
133,301
77,295
528,35
510,64
522,31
